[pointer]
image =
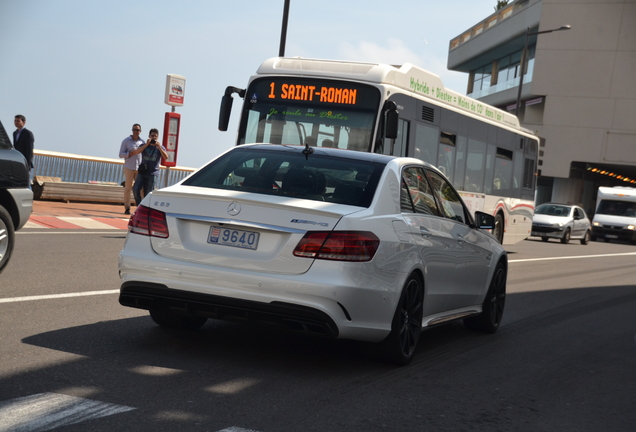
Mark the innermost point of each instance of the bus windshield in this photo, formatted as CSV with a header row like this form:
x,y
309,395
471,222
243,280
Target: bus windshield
x,y
317,112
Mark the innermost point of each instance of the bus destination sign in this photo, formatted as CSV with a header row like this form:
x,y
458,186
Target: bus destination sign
x,y
312,91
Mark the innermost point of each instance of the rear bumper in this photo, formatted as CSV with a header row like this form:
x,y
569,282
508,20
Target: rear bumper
x,y
346,301
143,295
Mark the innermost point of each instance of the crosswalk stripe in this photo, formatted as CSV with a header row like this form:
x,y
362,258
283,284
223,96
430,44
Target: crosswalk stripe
x,y
86,222
46,411
60,222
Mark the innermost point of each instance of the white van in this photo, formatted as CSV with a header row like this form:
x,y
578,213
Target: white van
x,y
615,217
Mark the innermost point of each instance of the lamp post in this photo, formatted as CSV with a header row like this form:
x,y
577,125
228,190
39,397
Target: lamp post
x,y
283,32
524,54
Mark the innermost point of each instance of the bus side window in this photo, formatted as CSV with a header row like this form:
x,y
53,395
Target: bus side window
x,y
460,163
400,147
475,162
426,138
490,167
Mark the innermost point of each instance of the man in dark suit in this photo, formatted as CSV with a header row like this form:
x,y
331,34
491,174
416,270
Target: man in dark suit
x,y
23,139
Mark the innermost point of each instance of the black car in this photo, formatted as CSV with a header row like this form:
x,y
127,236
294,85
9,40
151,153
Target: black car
x,y
16,199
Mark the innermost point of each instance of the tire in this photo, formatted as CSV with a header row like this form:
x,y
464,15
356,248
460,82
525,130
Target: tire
x,y
7,238
493,307
498,230
545,239
586,238
606,240
406,326
165,318
566,236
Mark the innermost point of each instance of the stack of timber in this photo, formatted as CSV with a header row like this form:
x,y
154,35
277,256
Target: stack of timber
x,y
54,189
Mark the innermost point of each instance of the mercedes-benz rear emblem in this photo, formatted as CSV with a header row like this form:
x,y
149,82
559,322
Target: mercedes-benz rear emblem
x,y
234,208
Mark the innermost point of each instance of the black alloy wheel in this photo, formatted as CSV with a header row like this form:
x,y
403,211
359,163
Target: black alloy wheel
x,y
406,326
493,307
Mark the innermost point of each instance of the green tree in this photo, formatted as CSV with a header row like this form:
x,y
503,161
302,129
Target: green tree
x,y
501,4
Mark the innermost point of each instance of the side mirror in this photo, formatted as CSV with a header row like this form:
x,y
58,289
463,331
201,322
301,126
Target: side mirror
x,y
392,117
225,111
226,106
484,220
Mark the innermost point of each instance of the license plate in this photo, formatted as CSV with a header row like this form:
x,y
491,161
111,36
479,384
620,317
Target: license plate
x,y
233,237
611,236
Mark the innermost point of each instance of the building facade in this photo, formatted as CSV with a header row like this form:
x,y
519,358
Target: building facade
x,y
578,92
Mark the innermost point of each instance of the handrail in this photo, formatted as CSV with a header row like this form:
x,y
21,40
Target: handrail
x,y
82,169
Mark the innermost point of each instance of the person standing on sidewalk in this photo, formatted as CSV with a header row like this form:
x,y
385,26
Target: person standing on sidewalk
x,y
23,141
132,159
151,153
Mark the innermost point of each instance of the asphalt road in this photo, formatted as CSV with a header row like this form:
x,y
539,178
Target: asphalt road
x,y
73,359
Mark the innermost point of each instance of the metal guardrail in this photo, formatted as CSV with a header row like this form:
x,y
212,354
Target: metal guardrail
x,y
88,169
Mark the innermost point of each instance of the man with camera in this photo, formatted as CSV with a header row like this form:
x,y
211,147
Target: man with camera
x,y
151,153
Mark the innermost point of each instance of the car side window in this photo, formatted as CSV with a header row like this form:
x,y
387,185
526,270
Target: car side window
x,y
450,203
416,195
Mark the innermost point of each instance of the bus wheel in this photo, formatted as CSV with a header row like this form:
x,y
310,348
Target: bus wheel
x,y
498,230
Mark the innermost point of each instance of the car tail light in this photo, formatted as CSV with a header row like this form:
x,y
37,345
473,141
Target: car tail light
x,y
338,245
148,222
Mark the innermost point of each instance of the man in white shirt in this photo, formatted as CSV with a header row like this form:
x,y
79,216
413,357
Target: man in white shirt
x,y
132,159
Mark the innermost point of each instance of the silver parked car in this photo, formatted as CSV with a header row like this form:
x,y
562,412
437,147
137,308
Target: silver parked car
x,y
564,222
327,242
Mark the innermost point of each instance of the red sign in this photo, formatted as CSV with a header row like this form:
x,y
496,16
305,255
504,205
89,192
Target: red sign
x,y
171,125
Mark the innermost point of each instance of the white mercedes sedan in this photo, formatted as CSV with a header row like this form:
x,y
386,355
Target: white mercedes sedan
x,y
323,241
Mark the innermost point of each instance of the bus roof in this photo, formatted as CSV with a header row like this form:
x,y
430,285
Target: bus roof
x,y
407,77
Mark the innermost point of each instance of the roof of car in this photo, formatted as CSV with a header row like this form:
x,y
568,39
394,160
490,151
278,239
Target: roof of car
x,y
341,153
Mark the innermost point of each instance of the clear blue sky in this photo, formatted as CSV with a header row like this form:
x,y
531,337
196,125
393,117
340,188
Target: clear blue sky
x,y
82,72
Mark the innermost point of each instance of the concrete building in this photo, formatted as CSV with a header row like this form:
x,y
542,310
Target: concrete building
x,y
578,93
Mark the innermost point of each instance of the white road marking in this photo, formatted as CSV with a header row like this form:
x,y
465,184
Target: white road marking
x,y
87,223
573,257
236,429
57,296
46,411
58,231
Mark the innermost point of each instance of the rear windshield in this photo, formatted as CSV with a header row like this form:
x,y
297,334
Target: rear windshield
x,y
552,210
289,173
617,208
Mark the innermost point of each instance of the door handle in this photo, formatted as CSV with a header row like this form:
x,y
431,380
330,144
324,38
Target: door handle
x,y
425,232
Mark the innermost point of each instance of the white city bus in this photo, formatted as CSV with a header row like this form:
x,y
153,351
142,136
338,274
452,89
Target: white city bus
x,y
403,111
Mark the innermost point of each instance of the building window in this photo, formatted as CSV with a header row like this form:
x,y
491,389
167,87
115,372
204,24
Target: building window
x,y
506,74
